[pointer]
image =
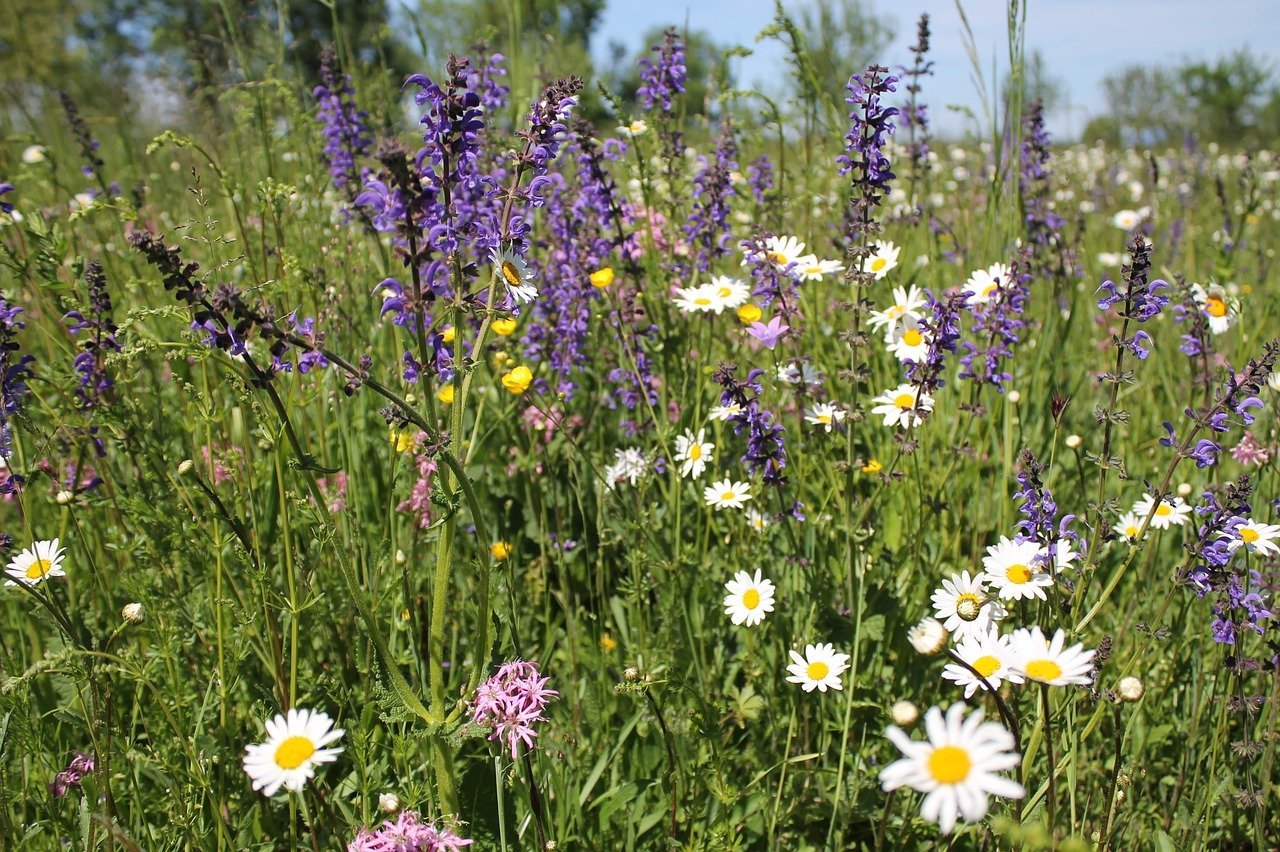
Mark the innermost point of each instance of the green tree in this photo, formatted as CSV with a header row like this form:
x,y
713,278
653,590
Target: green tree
x,y
1227,97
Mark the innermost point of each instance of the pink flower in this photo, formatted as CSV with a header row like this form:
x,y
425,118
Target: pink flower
x,y
420,498
407,833
511,702
768,334
1249,451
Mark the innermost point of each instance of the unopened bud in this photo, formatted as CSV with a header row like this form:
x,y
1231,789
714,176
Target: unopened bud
x,y
928,637
185,466
1014,397
133,613
389,802
1130,689
64,497
904,713
401,558
1184,489
1073,442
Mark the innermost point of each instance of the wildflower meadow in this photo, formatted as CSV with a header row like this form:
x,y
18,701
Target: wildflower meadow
x,y
501,457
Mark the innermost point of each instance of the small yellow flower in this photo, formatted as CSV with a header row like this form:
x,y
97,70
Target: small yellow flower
x,y
749,313
449,334
1246,289
500,359
403,440
602,278
445,394
607,642
505,326
518,380
872,466
500,550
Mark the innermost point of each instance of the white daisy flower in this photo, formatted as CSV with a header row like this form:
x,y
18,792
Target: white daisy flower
x,y
783,251
794,374
1016,569
809,268
700,299
825,414
33,154
633,129
295,746
1273,381
749,600
907,304
724,412
37,563
693,452
955,767
1167,513
990,655
1127,220
628,466
757,520
898,406
964,608
985,283
883,258
1048,660
1129,524
727,493
1256,538
928,637
1218,306
820,668
729,292
908,341
516,274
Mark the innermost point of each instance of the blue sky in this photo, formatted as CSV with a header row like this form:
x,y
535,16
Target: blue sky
x,y
1081,40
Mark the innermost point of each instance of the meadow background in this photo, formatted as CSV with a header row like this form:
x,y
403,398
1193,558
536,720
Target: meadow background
x,y
270,375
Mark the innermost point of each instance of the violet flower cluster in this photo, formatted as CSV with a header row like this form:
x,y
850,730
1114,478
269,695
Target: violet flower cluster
x,y
512,703
1040,521
407,833
1141,301
766,450
760,178
997,327
15,370
915,115
942,326
707,229
662,80
1042,223
98,339
80,131
1238,395
71,777
5,206
866,158
345,127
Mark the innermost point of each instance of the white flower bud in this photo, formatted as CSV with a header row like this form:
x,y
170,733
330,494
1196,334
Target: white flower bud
x,y
1073,442
904,713
928,637
1184,489
133,613
1014,397
1130,689
631,673
64,497
185,466
389,802
401,558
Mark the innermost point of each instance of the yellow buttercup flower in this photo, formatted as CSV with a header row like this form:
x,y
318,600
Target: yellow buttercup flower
x,y
872,466
403,441
445,394
500,550
449,334
505,326
602,278
518,380
749,313
607,642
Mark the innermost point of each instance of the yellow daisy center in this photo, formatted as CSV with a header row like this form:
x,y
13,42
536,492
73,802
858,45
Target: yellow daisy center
x,y
1018,574
1043,670
293,752
1130,531
949,764
986,666
695,451
813,270
510,273
724,292
751,598
895,312
968,606
878,264
36,570
1215,306
824,419
777,257
702,301
904,401
1164,510
990,288
1248,536
818,670
911,337
728,495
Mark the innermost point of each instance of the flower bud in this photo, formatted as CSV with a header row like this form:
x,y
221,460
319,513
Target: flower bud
x,y
904,713
1073,442
1130,689
64,497
133,613
1014,397
389,802
928,637
1184,489
185,466
401,558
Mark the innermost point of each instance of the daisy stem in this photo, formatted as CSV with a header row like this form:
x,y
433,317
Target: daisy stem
x,y
1052,801
1115,776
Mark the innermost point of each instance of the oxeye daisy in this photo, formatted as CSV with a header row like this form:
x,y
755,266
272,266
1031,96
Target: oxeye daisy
x,y
1168,513
824,414
1015,569
1129,525
693,452
1256,538
749,600
729,292
820,668
700,299
901,406
37,563
296,745
990,655
724,412
908,341
809,268
633,129
628,465
1219,308
515,273
783,251
757,520
964,608
1048,660
985,283
726,493
883,258
907,304
1127,220
955,767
